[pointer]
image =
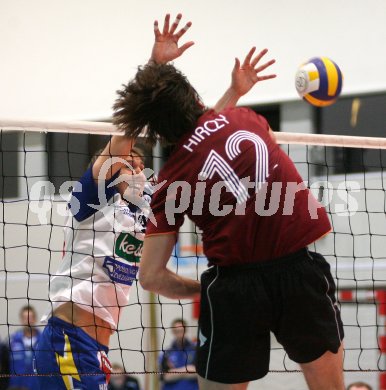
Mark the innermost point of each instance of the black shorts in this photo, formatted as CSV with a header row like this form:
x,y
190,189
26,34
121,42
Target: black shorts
x,y
293,297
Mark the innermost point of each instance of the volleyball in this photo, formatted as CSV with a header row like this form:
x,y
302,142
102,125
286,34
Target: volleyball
x,y
319,81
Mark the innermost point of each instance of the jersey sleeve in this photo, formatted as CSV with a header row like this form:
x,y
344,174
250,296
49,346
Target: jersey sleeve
x,y
85,195
255,119
166,218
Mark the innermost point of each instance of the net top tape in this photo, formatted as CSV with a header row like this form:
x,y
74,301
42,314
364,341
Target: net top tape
x,y
105,128
79,127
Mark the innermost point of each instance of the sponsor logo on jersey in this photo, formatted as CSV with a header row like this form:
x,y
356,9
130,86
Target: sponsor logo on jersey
x,y
124,209
129,247
120,272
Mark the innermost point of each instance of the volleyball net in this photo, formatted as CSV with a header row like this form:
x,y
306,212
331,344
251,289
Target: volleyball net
x,y
40,161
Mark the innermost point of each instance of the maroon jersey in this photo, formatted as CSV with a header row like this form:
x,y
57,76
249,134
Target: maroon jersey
x,y
237,185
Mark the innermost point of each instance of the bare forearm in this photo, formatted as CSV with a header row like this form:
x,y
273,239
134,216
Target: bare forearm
x,y
119,146
229,99
174,286
170,285
154,274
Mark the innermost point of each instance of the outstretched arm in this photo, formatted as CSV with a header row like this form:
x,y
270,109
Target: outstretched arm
x,y
244,77
119,146
165,46
165,49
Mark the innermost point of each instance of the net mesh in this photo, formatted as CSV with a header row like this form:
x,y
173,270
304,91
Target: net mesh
x,y
37,173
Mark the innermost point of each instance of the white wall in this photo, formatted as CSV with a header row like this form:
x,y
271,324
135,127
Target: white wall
x,y
63,59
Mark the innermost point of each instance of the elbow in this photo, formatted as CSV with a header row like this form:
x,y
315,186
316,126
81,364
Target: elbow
x,y
147,280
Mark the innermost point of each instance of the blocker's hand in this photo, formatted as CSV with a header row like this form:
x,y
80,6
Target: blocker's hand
x,y
165,46
133,192
245,76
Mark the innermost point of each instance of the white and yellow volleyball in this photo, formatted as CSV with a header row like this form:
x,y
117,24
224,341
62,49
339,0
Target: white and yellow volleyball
x,y
319,81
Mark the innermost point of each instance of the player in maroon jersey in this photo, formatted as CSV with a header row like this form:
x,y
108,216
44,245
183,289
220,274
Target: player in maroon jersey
x,y
229,176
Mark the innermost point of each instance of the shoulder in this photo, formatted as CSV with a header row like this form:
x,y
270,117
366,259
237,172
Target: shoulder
x,y
88,197
16,337
247,114
193,343
189,344
171,349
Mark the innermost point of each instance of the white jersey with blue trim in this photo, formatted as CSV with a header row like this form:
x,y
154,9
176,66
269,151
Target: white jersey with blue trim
x,y
102,249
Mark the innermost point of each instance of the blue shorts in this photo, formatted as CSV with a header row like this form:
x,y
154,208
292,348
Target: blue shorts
x,y
64,353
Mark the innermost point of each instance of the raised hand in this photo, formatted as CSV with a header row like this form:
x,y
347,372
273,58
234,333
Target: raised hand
x,y
165,46
245,76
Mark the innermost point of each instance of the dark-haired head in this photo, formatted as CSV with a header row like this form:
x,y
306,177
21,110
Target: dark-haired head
x,y
159,100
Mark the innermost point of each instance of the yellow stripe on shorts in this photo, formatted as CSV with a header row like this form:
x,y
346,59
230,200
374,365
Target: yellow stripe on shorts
x,y
67,365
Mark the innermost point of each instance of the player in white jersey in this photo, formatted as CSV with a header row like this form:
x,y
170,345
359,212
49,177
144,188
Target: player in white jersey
x,y
103,241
